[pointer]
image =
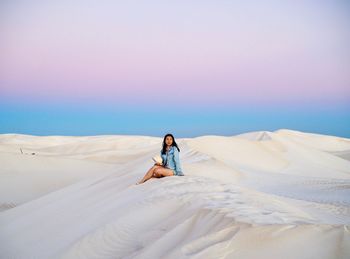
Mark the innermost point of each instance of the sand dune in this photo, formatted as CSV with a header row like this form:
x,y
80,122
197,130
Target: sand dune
x,y
281,194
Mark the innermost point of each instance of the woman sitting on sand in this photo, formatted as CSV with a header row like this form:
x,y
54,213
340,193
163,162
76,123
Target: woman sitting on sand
x,y
170,165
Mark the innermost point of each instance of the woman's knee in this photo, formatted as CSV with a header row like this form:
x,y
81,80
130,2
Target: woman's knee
x,y
154,167
157,175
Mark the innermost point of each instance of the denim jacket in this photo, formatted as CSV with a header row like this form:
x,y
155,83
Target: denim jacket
x,y
171,160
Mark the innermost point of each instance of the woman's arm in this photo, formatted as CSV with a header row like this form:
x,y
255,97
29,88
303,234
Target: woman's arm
x,y
177,162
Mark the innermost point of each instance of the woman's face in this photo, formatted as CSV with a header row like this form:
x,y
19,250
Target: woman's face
x,y
169,140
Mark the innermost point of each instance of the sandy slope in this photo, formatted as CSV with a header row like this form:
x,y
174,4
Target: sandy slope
x,y
282,194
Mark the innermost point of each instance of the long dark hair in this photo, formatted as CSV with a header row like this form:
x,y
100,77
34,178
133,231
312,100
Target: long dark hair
x,y
173,144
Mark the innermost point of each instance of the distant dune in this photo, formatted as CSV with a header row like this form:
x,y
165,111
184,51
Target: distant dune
x,y
281,194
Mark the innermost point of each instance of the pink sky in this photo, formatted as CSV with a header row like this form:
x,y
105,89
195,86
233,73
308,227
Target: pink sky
x,y
201,52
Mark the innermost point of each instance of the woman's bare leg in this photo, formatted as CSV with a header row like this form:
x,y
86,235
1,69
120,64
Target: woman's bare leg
x,y
158,171
162,171
149,174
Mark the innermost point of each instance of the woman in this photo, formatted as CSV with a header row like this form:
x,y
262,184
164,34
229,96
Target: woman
x,y
170,165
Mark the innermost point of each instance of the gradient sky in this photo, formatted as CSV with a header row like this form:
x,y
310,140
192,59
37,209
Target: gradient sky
x,y
186,67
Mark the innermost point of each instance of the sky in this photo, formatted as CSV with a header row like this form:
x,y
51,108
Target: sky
x,y
189,68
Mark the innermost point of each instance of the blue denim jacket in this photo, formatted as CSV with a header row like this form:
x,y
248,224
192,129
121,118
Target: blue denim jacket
x,y
172,160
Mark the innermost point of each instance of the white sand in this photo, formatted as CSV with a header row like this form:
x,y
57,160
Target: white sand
x,y
282,194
